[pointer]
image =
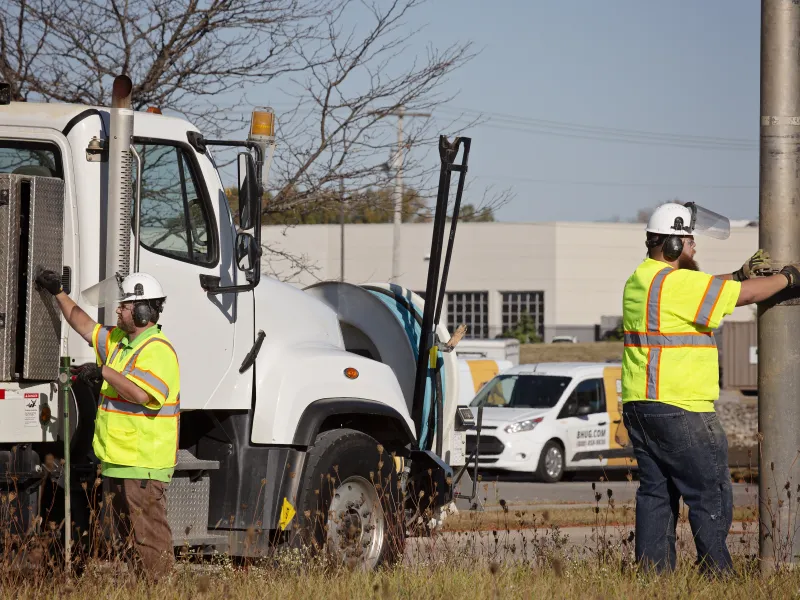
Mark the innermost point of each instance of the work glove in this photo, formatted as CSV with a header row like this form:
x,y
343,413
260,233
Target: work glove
x,y
49,280
760,261
89,374
792,273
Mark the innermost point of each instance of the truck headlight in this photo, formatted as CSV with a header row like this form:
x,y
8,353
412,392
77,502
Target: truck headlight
x,y
526,425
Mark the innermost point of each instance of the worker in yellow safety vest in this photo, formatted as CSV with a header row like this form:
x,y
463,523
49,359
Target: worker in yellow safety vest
x,y
670,380
136,427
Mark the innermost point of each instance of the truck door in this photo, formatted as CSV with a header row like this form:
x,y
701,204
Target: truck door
x,y
586,421
180,240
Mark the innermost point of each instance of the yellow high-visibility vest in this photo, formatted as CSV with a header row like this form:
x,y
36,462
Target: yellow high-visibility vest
x,y
131,434
670,352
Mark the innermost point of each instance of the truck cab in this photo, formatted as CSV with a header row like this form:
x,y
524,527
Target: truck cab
x,y
270,392
548,419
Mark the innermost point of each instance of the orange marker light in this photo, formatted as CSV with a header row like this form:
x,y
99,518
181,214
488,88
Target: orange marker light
x,y
262,125
350,373
154,109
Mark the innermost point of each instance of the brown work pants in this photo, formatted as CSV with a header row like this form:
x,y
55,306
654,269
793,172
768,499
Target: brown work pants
x,y
140,513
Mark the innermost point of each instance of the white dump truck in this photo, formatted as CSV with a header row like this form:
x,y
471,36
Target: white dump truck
x,y
281,387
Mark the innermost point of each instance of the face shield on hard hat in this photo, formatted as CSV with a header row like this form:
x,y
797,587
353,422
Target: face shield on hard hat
x,y
707,222
115,289
104,294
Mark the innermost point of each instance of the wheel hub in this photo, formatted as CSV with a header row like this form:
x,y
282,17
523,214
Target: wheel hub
x,y
356,523
552,462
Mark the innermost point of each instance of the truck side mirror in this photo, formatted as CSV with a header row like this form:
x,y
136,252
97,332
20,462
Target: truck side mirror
x,y
249,197
247,251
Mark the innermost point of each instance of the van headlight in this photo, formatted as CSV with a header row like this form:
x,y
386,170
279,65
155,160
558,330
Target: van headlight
x,y
520,426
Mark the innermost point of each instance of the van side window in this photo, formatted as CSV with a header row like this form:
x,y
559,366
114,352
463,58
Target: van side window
x,y
587,398
175,219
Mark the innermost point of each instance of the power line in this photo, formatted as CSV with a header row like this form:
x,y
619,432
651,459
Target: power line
x,y
581,131
614,183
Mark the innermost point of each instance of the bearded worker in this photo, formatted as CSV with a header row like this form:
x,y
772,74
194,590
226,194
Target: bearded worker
x,y
670,380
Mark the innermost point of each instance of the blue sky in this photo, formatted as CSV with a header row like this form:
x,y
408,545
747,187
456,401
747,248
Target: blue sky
x,y
684,68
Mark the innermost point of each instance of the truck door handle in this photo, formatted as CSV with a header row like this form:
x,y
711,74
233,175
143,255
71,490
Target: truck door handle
x,y
603,423
617,421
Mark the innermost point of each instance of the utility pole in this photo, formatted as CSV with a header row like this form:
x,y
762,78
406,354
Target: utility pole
x,y
397,193
341,228
779,318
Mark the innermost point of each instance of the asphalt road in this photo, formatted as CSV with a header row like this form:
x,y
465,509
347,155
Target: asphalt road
x,y
519,493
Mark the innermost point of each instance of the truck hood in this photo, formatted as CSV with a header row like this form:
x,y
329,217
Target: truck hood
x,y
498,416
289,315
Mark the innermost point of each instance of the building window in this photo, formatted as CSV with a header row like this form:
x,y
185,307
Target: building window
x,y
516,304
470,309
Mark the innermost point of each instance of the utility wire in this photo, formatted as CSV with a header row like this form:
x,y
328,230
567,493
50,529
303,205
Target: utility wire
x,y
614,183
520,124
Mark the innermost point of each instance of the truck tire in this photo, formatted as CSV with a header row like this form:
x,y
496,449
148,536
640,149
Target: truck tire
x,y
551,463
349,503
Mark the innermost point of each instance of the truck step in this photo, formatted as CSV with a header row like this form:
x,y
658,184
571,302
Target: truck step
x,y
188,462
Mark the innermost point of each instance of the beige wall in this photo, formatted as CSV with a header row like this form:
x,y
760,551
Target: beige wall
x,y
581,267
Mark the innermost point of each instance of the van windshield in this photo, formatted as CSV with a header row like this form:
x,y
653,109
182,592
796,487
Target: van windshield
x,y
522,391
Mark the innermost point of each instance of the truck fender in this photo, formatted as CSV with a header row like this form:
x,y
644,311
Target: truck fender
x,y
321,414
292,379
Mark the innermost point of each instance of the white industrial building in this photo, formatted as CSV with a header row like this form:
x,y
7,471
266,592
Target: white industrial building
x,y
569,276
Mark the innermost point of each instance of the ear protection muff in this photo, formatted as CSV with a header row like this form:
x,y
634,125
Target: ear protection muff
x,y
672,247
142,312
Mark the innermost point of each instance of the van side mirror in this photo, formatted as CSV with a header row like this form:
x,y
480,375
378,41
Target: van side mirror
x,y
247,251
249,197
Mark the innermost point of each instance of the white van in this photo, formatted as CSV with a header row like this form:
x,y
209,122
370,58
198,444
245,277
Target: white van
x,y
551,418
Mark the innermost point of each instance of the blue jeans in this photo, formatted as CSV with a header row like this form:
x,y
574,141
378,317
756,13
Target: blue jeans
x,y
680,453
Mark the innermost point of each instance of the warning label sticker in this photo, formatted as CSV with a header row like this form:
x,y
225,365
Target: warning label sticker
x,y
31,410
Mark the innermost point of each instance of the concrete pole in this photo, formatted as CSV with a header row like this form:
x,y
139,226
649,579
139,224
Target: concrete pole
x,y
397,196
779,318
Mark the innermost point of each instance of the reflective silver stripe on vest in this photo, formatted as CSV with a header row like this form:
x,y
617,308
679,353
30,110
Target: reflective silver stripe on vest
x,y
102,339
151,380
131,408
132,361
652,299
667,340
652,373
709,301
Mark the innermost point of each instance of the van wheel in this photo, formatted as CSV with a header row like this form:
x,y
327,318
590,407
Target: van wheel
x,y
551,463
349,503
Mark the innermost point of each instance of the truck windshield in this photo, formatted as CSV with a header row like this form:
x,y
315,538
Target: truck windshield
x,y
522,391
30,158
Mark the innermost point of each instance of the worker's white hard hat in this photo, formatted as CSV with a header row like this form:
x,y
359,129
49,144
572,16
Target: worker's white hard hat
x,y
671,218
140,286
115,289
688,219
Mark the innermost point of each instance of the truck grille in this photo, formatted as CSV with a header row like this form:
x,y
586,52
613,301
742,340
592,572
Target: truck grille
x,y
489,445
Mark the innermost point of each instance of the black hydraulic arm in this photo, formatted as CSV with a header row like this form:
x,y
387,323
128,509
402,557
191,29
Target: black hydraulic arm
x,y
434,290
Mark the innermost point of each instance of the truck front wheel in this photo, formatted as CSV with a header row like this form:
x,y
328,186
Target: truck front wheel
x,y
350,503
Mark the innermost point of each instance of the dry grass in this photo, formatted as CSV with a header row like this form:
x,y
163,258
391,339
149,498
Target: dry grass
x,y
590,352
560,579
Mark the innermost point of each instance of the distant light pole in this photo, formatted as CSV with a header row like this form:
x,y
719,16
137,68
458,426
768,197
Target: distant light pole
x,y
397,194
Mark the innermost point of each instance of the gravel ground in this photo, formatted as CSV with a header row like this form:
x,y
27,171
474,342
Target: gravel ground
x,y
739,418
